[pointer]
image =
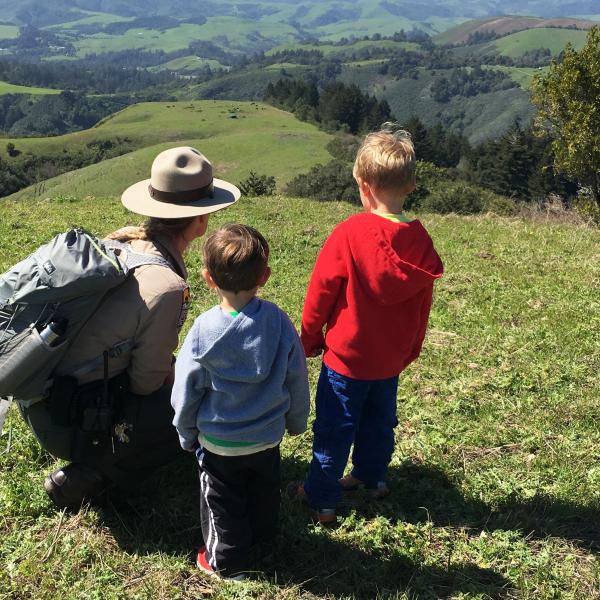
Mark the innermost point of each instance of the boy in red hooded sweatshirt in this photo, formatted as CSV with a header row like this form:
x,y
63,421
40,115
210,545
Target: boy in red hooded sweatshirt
x,y
371,289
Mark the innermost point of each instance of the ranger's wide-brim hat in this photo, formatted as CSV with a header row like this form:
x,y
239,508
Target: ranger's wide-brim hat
x,y
181,185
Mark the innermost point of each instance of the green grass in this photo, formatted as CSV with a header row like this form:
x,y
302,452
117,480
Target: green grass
x,y
90,18
495,476
555,39
262,138
188,63
522,75
231,33
8,32
11,88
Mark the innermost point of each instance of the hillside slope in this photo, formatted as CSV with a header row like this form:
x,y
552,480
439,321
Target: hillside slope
x,y
236,136
505,25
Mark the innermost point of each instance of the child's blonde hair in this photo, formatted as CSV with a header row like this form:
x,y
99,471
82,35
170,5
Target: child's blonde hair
x,y
386,158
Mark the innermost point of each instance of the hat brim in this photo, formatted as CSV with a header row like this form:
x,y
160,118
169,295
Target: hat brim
x,y
137,199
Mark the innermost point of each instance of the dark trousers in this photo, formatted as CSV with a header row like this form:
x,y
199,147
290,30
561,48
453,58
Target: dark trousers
x,y
239,505
149,441
350,411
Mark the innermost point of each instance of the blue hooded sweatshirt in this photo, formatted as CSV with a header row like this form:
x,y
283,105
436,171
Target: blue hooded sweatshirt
x,y
242,379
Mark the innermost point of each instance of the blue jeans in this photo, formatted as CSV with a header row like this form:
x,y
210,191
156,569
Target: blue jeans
x,y
350,411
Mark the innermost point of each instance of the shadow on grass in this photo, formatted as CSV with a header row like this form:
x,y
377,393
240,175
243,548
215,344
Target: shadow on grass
x,y
422,493
162,515
318,563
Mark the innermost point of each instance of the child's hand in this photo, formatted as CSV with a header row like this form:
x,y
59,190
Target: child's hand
x,y
193,448
316,352
294,433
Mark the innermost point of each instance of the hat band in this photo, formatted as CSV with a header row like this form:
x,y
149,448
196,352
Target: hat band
x,y
182,197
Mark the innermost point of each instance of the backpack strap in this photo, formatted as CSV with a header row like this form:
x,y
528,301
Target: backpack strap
x,y
132,261
89,366
137,259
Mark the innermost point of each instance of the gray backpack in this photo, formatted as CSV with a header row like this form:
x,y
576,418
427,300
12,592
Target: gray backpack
x,y
47,298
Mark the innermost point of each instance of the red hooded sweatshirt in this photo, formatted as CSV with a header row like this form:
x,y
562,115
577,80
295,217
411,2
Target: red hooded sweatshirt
x,y
371,287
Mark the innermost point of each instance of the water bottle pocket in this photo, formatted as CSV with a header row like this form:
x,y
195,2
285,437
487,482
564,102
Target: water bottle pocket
x,y
23,361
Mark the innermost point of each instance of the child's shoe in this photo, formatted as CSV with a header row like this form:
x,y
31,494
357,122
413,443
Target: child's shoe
x,y
324,516
350,483
204,566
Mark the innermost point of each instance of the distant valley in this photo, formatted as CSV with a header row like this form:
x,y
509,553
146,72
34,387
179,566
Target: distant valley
x,y
458,67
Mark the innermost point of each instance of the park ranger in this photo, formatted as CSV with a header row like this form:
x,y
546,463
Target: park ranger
x,y
109,411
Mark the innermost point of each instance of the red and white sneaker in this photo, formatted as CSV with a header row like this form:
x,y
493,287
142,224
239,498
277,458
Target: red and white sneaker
x,y
204,566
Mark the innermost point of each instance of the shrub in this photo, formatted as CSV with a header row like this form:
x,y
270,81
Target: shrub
x,y
11,150
428,175
333,181
587,208
257,185
462,198
344,147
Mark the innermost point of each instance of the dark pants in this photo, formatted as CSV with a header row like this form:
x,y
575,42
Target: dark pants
x,y
239,505
149,441
350,411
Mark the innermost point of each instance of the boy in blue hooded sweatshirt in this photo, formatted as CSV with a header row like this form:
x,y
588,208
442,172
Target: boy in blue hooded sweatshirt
x,y
240,382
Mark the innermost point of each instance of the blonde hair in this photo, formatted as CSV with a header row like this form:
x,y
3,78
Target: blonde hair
x,y
152,229
236,257
386,159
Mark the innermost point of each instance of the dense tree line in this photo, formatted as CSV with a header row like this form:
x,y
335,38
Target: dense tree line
x,y
102,79
538,57
22,169
437,145
463,82
32,44
336,106
158,23
518,164
478,37
22,115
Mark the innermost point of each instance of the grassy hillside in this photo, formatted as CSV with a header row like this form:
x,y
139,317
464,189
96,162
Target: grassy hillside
x,y
503,26
188,64
479,117
555,40
10,88
260,137
495,476
8,32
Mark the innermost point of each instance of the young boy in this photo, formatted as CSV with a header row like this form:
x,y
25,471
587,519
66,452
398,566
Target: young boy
x,y
240,382
371,288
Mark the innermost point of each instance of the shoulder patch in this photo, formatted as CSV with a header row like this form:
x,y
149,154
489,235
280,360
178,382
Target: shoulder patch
x,y
185,304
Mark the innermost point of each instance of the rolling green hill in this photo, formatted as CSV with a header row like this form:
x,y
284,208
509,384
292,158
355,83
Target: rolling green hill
x,y
555,40
10,88
504,26
237,137
480,117
8,32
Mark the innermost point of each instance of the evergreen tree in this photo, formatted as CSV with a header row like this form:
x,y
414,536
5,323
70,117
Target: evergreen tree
x,y
568,99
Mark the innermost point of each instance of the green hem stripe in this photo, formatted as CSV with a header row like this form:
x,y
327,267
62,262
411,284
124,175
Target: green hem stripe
x,y
227,443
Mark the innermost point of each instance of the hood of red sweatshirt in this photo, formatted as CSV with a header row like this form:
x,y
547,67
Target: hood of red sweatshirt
x,y
393,261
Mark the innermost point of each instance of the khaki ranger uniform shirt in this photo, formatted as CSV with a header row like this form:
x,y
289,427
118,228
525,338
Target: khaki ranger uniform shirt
x,y
150,308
